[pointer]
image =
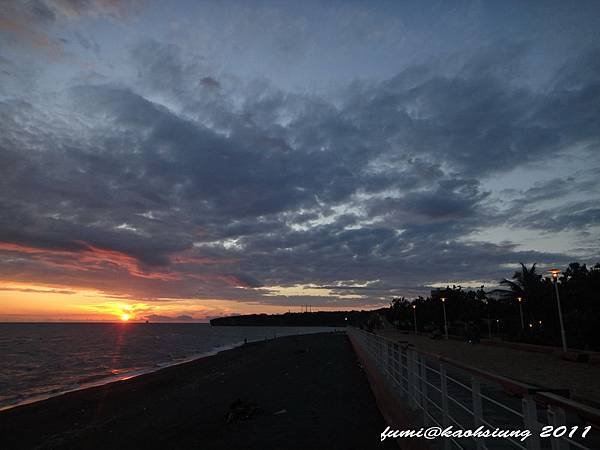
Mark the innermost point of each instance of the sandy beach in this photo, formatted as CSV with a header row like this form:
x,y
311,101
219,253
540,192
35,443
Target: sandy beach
x,y
298,392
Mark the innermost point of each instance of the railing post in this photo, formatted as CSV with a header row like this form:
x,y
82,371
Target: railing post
x,y
477,409
410,375
424,400
530,422
415,370
396,370
557,417
403,368
445,412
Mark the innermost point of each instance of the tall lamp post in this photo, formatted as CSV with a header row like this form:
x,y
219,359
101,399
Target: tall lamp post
x,y
521,311
555,273
415,317
445,320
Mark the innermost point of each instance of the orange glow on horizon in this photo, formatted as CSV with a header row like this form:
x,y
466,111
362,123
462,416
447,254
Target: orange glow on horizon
x,y
23,302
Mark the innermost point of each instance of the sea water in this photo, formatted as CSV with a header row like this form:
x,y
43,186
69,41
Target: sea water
x,y
40,360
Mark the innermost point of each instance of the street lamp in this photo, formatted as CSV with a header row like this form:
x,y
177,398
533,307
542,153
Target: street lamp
x,y
489,320
445,320
415,317
521,311
555,273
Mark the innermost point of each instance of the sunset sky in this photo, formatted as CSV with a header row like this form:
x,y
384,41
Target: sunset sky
x,y
184,160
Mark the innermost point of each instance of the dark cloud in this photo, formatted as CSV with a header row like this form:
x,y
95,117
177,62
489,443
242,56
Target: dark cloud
x,y
547,190
179,184
162,318
452,200
38,291
210,82
87,43
579,216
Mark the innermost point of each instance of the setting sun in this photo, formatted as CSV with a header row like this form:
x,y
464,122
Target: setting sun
x,y
125,317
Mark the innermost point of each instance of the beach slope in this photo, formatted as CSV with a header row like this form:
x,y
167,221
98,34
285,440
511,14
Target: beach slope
x,y
298,392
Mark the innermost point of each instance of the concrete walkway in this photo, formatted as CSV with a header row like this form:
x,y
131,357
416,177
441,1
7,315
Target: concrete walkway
x,y
540,369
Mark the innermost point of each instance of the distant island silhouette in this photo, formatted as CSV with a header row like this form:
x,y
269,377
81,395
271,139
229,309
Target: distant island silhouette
x,y
312,319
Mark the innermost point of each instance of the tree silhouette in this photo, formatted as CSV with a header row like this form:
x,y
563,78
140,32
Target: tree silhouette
x,y
526,284
472,309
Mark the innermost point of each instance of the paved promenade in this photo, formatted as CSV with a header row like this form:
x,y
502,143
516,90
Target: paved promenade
x,y
541,369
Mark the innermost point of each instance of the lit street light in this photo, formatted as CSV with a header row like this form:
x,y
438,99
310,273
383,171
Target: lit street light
x,y
521,311
415,317
555,273
445,320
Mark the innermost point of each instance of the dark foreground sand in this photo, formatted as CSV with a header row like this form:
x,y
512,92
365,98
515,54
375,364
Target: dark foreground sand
x,y
314,378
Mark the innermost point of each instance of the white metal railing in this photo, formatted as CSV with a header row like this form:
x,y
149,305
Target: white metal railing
x,y
447,393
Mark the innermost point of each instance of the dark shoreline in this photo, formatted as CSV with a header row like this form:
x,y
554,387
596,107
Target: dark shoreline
x,y
305,392
96,381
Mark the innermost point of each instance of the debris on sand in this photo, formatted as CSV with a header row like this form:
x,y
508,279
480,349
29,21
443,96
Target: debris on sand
x,y
241,410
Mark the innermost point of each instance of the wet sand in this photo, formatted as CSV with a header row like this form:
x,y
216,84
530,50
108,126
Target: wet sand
x,y
298,392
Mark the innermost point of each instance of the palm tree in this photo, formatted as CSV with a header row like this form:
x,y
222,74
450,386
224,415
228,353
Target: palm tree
x,y
525,283
528,284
